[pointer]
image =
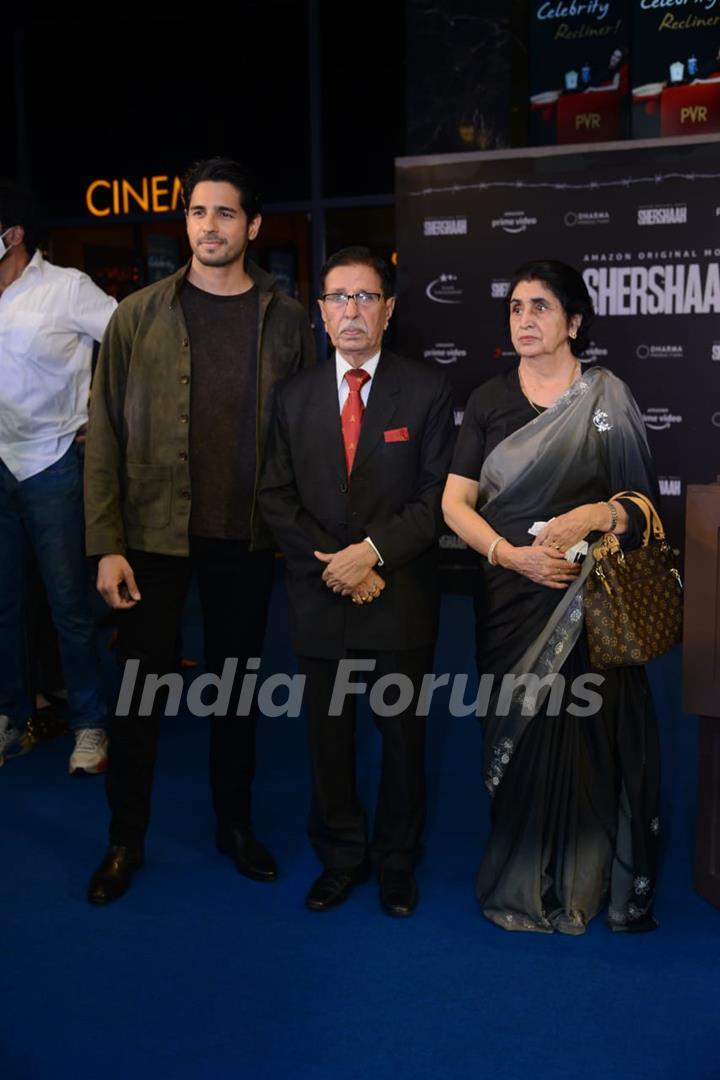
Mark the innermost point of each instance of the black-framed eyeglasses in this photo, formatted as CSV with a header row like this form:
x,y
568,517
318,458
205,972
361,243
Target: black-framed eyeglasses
x,y
341,299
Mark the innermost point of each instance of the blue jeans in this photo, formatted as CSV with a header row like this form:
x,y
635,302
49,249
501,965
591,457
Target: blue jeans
x,y
46,511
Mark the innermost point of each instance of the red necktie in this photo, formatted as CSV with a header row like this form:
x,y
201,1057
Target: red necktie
x,y
352,414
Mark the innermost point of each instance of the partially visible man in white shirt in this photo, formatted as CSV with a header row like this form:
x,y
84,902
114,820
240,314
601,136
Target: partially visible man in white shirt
x,y
49,317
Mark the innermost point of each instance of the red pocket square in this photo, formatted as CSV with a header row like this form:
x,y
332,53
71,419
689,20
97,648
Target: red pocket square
x,y
398,434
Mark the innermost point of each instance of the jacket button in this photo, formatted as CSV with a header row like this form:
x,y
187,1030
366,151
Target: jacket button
x,y
183,455
185,343
184,379
344,487
184,418
184,494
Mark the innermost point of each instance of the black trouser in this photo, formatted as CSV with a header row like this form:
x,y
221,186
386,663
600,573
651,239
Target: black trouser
x,y
337,826
234,586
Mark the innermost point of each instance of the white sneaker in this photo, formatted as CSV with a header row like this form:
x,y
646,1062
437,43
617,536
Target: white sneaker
x,y
90,753
13,741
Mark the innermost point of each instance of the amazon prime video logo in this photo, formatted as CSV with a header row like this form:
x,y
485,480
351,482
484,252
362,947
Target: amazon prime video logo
x,y
660,419
514,221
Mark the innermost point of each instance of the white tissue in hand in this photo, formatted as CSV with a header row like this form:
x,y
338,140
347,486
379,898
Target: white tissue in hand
x,y
538,526
581,548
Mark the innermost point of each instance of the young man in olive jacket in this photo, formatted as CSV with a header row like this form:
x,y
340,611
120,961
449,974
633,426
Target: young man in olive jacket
x,y
173,454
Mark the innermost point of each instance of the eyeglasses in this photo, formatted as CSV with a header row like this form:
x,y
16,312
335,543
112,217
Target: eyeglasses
x,y
341,299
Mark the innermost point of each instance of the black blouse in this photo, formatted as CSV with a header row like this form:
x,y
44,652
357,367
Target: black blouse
x,y
494,410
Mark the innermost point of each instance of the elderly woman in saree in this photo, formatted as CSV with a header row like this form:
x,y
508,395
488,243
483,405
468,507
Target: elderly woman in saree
x,y
574,820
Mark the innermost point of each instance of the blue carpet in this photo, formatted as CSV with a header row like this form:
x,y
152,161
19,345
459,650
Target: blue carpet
x,y
199,973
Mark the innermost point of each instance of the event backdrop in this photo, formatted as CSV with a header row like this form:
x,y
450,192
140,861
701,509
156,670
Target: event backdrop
x,y
675,67
460,76
579,70
642,223
606,69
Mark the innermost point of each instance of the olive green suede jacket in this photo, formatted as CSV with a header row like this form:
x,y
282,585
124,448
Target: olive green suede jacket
x,y
137,470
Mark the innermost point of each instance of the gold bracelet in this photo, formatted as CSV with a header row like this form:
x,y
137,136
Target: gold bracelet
x,y
491,550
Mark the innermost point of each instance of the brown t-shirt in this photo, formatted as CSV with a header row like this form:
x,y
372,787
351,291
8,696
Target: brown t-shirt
x,y
223,409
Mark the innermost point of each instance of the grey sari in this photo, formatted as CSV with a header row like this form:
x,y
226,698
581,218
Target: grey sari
x,y
574,797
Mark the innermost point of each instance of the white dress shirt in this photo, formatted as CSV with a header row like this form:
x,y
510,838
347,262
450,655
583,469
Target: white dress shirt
x,y
49,318
341,366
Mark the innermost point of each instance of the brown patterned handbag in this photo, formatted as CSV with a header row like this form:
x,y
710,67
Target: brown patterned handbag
x,y
633,599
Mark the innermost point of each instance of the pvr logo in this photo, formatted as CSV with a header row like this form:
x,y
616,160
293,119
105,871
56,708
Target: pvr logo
x,y
693,114
587,121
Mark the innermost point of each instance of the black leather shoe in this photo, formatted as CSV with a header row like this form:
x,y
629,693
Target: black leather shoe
x,y
333,887
114,874
251,858
398,892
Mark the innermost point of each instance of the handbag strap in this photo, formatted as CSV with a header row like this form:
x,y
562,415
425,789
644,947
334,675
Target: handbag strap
x,y
652,518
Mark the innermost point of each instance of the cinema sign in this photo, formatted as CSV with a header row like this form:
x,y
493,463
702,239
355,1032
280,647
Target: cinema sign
x,y
152,195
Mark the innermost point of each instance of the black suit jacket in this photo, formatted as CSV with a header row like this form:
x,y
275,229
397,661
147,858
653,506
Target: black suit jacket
x,y
393,497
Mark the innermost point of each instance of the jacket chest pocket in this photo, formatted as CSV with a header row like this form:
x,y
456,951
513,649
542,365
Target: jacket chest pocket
x,y
399,453
148,496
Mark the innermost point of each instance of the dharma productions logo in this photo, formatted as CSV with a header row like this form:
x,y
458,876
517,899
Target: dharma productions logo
x,y
659,352
586,217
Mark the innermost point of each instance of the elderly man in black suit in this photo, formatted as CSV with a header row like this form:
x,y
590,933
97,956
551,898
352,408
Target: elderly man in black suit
x,y
358,454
